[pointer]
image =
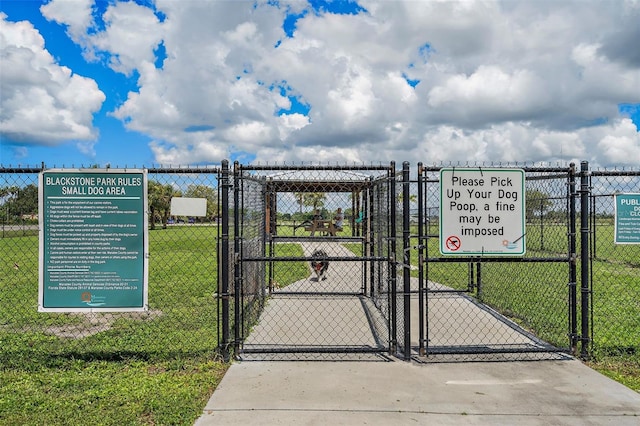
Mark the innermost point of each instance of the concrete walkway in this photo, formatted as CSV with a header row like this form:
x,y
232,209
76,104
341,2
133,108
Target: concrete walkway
x,y
378,392
374,389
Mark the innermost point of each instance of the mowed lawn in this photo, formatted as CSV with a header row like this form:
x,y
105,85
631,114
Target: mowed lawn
x,y
161,367
113,368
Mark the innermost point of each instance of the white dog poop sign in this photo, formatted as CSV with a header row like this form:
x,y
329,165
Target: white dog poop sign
x,y
482,211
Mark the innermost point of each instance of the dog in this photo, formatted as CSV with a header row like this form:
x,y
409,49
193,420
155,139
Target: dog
x,y
319,264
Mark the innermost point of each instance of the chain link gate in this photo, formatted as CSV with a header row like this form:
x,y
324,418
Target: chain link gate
x,y
272,299
486,305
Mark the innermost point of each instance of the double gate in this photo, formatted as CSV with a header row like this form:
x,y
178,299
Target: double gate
x,y
387,288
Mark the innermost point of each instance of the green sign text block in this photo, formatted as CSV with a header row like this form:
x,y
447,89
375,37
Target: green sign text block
x,y
627,219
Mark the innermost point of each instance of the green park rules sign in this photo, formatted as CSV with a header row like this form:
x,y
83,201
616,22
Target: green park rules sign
x,y
93,240
627,230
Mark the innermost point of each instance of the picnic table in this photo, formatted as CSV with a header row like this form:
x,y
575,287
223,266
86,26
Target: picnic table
x,y
322,225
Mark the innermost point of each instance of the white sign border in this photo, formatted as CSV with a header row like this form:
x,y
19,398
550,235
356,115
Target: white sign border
x,y
483,253
145,266
615,219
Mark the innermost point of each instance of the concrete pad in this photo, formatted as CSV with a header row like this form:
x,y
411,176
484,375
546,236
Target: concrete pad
x,y
315,321
374,389
396,392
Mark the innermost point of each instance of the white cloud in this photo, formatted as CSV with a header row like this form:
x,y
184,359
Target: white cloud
x,y
620,144
498,80
42,102
75,14
131,35
502,96
290,123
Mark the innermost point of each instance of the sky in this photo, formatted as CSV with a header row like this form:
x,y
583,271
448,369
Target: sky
x,y
193,82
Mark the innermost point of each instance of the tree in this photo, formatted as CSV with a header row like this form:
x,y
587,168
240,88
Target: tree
x,y
159,197
537,203
314,199
18,202
310,199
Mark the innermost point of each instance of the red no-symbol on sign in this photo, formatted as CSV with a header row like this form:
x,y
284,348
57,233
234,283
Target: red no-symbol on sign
x,y
453,243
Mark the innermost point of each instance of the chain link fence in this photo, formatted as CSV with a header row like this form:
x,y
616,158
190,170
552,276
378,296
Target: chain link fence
x,y
308,263
232,278
182,314
614,268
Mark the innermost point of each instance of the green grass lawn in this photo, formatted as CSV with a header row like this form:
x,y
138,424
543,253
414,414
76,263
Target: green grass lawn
x,y
162,366
285,273
158,367
66,391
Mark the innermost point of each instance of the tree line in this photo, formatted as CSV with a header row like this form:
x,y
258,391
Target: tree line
x,y
20,204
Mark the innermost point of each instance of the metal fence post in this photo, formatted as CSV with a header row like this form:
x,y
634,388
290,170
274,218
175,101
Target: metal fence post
x,y
392,257
585,292
479,279
237,273
406,260
573,256
421,282
223,260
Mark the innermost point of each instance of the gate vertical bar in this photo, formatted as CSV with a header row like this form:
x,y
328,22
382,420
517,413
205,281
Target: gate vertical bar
x,y
584,254
370,238
269,230
421,242
238,308
573,259
406,260
391,264
223,262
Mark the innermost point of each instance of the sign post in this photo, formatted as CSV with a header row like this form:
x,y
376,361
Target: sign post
x,y
627,228
93,240
482,211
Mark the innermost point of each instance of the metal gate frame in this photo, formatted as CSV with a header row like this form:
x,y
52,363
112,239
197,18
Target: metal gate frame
x,y
249,231
475,264
246,262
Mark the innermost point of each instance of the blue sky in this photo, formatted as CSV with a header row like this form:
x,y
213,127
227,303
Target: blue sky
x,y
190,83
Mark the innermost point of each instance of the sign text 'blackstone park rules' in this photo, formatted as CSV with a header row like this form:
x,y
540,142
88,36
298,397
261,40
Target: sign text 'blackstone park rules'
x,y
482,211
93,240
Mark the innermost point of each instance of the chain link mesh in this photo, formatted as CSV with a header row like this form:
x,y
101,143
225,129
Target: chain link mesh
x,y
275,300
290,217
181,319
516,306
615,268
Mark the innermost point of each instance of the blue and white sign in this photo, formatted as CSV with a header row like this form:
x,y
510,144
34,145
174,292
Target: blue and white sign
x,y
627,219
